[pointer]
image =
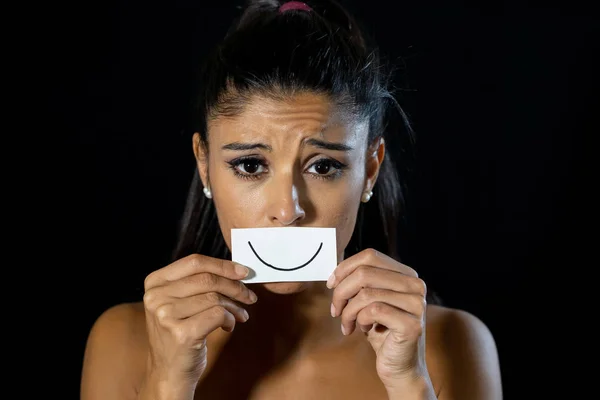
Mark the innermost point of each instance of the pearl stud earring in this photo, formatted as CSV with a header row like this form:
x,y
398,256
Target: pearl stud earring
x,y
366,196
207,193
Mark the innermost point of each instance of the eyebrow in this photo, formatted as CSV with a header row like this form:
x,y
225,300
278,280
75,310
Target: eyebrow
x,y
238,146
321,144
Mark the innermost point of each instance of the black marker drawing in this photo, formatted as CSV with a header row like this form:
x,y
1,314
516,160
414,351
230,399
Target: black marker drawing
x,y
285,269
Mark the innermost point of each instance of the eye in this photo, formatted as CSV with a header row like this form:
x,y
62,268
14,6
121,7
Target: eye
x,y
248,167
326,168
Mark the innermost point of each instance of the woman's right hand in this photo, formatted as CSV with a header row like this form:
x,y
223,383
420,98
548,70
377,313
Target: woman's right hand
x,y
184,302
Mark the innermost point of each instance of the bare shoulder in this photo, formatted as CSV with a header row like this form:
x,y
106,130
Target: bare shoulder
x,y
115,354
462,356
454,321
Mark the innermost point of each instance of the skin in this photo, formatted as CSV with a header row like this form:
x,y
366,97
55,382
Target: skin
x,y
366,333
292,193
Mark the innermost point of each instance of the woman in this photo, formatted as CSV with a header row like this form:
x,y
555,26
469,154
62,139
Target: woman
x,y
289,131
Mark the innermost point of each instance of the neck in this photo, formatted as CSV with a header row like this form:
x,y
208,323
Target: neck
x,y
300,320
303,318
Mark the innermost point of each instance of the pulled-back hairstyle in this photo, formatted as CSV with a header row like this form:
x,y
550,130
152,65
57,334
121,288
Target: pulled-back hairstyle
x,y
275,54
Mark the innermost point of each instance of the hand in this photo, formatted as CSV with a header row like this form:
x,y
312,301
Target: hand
x,y
386,299
184,302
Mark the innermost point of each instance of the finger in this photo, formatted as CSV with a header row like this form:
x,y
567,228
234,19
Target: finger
x,y
194,264
377,278
404,325
205,283
194,330
189,306
410,303
367,257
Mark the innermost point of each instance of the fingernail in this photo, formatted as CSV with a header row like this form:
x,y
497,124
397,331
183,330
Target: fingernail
x,y
253,296
332,310
343,330
330,281
246,316
241,270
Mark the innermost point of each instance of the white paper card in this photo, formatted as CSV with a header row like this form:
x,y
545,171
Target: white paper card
x,y
294,254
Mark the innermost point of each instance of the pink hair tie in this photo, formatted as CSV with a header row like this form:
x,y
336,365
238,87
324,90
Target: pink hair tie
x,y
294,5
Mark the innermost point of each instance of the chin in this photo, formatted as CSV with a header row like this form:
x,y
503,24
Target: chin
x,y
286,287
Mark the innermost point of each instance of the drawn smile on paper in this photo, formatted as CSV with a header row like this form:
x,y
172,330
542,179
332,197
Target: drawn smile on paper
x,y
285,269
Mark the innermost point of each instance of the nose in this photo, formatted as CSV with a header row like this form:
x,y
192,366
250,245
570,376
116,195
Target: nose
x,y
284,201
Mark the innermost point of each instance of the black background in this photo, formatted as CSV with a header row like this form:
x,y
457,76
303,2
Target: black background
x,y
500,96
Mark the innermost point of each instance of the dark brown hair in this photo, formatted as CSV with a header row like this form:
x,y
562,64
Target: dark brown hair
x,y
277,54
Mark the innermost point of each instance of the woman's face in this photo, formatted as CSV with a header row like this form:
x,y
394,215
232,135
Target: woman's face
x,y
301,162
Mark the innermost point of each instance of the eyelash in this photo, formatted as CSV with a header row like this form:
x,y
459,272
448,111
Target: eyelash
x,y
233,164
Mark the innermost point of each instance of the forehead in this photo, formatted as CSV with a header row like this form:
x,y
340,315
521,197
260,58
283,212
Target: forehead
x,y
303,114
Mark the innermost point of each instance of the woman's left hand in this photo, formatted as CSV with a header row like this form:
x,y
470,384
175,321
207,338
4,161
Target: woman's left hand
x,y
386,300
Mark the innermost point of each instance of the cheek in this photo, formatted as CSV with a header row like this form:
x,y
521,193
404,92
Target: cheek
x,y
236,207
341,212
345,224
